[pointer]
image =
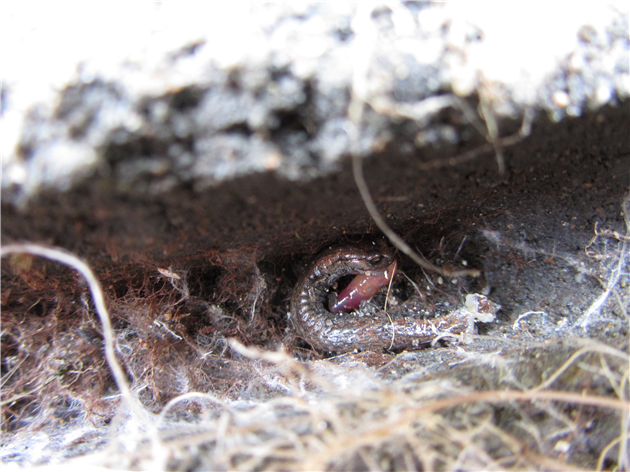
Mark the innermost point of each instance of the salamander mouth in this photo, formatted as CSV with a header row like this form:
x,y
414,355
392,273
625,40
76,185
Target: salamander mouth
x,y
361,287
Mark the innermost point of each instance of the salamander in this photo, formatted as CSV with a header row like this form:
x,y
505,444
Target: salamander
x,y
343,332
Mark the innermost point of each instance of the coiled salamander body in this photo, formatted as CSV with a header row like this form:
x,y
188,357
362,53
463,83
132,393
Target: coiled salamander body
x,y
344,332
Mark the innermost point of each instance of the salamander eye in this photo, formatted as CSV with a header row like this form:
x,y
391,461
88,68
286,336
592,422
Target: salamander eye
x,y
375,260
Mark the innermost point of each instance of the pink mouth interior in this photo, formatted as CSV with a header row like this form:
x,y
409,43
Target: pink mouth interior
x,y
362,287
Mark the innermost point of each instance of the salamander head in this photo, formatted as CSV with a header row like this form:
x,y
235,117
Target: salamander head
x,y
369,259
374,266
